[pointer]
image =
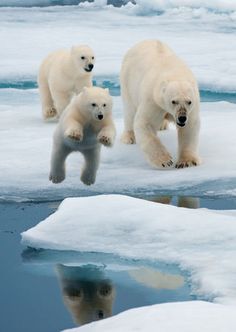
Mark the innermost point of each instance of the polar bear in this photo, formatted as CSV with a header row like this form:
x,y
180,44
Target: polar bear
x,y
157,85
86,291
85,124
61,75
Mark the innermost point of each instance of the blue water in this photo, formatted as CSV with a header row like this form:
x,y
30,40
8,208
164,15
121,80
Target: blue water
x,y
113,84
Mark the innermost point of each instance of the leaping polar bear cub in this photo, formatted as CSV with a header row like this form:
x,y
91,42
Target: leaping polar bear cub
x,y
155,85
62,74
85,124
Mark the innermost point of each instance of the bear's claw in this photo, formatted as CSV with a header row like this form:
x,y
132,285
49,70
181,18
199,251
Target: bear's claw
x,y
50,112
167,164
75,135
57,178
105,140
128,137
186,164
88,179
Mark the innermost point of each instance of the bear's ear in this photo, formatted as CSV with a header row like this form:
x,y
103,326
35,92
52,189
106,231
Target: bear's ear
x,y
107,91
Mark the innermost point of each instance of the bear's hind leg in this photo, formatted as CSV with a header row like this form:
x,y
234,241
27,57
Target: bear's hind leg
x,y
57,172
89,171
48,108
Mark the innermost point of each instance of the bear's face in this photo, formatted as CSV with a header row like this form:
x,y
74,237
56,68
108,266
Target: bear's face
x,y
83,58
96,102
179,100
89,300
86,293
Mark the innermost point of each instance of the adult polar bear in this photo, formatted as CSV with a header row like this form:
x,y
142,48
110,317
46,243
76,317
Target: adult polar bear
x,y
62,74
155,85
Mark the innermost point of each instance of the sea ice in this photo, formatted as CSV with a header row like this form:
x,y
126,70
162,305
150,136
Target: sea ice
x,y
26,146
202,241
192,316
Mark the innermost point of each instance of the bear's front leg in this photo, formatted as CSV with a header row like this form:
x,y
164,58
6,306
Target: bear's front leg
x,y
89,171
73,130
106,136
188,138
150,144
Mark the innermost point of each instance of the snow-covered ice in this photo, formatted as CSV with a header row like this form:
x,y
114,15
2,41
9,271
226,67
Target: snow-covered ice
x,y
203,37
26,146
189,27
192,316
202,242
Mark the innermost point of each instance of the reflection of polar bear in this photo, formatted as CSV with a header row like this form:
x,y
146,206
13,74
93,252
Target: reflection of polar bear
x,y
85,124
86,292
156,84
62,74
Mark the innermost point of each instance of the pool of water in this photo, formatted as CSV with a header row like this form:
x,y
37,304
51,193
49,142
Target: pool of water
x,y
44,290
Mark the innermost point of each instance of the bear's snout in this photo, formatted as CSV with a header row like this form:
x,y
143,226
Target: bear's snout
x,y
89,68
100,116
181,120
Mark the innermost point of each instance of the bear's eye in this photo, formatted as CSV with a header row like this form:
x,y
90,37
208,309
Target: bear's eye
x,y
104,105
92,57
189,102
174,102
82,57
94,105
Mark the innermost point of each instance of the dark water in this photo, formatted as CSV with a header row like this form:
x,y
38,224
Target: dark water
x,y
38,290
112,83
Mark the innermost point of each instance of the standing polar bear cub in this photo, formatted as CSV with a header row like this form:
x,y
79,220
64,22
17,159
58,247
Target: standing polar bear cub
x,y
85,124
156,85
61,75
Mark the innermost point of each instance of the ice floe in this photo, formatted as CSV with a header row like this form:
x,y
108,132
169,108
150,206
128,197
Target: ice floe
x,y
202,241
192,316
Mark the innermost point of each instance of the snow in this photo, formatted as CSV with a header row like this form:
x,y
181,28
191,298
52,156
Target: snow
x,y
201,241
26,147
112,31
179,317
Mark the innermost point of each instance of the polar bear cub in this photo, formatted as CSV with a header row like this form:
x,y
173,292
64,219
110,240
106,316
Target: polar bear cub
x,y
156,85
85,124
62,74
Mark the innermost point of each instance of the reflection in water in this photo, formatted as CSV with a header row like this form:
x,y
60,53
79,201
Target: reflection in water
x,y
156,279
86,292
89,294
182,201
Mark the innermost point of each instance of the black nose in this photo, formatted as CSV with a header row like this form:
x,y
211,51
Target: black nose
x,y
100,314
90,66
100,116
182,119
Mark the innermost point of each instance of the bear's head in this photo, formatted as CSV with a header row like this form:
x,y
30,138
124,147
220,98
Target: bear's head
x,y
95,102
179,98
83,58
86,293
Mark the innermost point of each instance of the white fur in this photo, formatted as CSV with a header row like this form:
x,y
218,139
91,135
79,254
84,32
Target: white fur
x,y
61,75
152,79
79,129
